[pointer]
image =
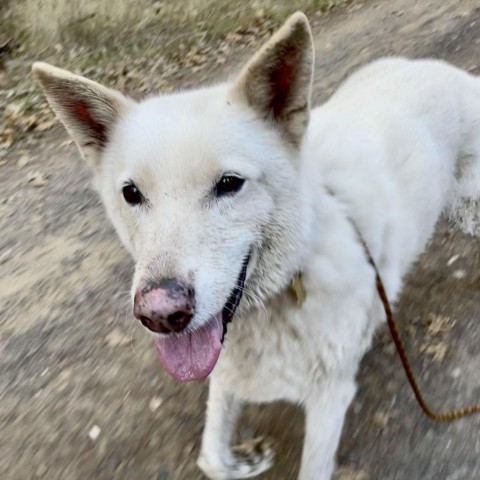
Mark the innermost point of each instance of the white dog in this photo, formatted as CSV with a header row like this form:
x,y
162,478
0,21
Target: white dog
x,y
241,189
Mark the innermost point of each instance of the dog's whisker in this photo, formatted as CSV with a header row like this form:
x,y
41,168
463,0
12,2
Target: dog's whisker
x,y
258,302
132,342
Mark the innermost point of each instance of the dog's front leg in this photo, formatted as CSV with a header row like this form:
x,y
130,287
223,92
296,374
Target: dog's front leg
x,y
217,458
325,413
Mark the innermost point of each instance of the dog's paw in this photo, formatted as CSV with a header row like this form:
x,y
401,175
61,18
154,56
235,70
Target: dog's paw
x,y
249,459
254,456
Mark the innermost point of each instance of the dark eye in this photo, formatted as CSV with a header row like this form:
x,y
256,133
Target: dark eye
x,y
132,194
228,184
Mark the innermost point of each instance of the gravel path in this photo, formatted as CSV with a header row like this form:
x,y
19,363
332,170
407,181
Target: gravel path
x,y
81,393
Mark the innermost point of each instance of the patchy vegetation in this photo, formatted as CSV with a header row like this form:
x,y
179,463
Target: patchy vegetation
x,y
133,45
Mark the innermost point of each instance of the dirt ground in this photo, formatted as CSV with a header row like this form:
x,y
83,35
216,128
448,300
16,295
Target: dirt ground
x,y
82,395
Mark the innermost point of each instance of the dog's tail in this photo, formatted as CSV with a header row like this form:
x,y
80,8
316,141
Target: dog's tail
x,y
463,207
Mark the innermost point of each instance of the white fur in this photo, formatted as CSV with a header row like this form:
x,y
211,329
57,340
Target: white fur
x,y
398,144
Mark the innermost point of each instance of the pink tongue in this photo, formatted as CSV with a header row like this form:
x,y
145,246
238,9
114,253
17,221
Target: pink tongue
x,y
192,356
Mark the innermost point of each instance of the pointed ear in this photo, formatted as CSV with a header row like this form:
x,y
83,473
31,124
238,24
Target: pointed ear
x,y
88,110
277,82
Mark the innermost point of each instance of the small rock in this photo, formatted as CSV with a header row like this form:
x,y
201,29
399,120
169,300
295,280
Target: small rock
x,y
23,161
41,470
162,474
381,419
459,274
155,403
456,373
94,432
453,260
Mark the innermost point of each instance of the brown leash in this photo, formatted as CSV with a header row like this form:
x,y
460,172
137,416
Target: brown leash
x,y
437,416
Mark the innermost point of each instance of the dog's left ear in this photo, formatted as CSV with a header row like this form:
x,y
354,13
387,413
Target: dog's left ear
x,y
277,82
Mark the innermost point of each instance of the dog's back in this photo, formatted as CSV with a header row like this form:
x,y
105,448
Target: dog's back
x,y
399,142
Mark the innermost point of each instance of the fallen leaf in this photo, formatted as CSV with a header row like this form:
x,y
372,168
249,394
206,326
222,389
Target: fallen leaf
x,y
37,179
438,351
45,125
66,143
6,141
437,324
116,339
347,473
12,111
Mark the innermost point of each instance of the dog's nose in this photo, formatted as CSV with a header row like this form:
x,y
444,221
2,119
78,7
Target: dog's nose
x,y
165,306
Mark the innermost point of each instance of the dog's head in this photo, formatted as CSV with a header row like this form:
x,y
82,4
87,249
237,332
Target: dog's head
x,y
203,188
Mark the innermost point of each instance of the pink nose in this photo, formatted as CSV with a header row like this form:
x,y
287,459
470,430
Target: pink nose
x,y
166,306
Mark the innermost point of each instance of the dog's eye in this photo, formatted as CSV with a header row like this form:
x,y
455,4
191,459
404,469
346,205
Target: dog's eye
x,y
228,184
132,194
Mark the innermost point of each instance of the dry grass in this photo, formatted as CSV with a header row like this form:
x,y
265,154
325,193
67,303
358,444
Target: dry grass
x,y
136,46
118,24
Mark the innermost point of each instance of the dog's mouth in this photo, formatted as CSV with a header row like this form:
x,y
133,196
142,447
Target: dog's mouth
x,y
193,355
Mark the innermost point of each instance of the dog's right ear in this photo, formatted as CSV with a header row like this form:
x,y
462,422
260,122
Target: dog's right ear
x,y
87,109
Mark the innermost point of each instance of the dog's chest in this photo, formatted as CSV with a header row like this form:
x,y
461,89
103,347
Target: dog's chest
x,y
275,353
